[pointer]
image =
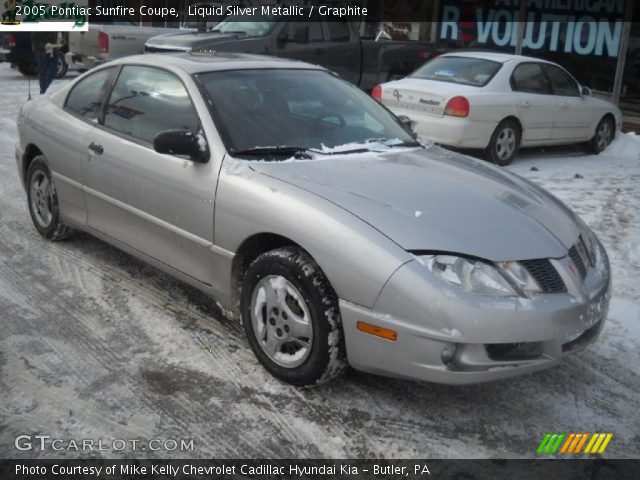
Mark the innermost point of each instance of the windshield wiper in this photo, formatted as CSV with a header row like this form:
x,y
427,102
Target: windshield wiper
x,y
392,142
285,151
232,32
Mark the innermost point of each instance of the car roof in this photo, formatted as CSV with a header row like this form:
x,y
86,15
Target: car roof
x,y
494,56
215,61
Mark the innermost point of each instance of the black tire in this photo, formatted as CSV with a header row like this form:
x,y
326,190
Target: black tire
x,y
505,142
326,357
28,69
62,68
603,136
54,229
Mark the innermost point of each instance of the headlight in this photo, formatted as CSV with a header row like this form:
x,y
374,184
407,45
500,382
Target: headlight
x,y
591,243
470,275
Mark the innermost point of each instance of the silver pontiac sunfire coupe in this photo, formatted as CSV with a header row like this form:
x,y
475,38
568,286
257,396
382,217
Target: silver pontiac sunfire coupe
x,y
309,210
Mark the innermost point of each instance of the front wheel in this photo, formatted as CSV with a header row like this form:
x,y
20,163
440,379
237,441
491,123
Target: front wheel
x,y
603,136
292,319
504,143
61,65
43,201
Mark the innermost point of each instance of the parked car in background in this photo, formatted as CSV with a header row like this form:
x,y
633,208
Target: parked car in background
x,y
500,102
107,39
337,238
334,45
18,51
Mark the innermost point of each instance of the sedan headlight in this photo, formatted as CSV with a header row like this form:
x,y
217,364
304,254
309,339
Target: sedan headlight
x,y
504,279
470,275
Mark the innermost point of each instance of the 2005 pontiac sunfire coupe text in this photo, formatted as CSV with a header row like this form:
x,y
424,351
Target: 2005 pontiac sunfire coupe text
x,y
304,205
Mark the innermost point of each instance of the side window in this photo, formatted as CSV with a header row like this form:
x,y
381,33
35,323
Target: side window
x,y
84,98
339,31
528,77
146,100
561,81
315,30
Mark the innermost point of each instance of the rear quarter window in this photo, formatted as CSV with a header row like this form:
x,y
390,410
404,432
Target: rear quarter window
x,y
85,98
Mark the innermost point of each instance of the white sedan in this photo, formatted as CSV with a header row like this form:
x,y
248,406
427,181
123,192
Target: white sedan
x,y
499,103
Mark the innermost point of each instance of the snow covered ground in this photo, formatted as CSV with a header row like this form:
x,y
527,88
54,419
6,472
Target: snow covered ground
x,y
96,345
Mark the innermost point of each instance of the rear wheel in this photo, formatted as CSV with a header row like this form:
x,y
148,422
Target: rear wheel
x,y
28,68
292,319
603,135
43,201
504,143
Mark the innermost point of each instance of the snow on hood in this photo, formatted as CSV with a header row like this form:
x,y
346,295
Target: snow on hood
x,y
432,199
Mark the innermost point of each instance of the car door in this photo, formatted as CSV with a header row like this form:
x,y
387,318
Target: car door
x,y
68,152
574,116
343,51
534,102
301,41
159,204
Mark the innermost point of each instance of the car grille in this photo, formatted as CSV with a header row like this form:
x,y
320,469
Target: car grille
x,y
578,255
546,275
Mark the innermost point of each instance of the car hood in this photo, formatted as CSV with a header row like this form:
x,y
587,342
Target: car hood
x,y
194,40
434,200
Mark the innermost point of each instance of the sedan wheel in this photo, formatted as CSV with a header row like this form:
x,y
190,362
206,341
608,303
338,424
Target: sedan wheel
x,y
43,201
292,318
605,132
504,143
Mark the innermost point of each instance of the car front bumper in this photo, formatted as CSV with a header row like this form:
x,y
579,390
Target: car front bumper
x,y
447,337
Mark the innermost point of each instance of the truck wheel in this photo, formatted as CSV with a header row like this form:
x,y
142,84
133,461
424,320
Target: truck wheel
x,y
28,69
61,68
504,143
43,201
292,319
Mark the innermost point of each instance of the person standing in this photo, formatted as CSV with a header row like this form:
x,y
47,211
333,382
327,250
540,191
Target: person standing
x,y
44,45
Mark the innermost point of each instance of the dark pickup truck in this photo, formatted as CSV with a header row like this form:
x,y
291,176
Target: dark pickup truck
x,y
334,45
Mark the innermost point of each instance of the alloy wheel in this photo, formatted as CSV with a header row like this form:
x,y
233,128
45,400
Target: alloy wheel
x,y
505,143
281,321
41,199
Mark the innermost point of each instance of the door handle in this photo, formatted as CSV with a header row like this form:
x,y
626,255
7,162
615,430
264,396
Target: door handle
x,y
564,105
525,104
97,148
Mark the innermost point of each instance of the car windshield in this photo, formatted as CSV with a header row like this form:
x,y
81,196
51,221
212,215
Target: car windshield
x,y
464,70
258,26
299,109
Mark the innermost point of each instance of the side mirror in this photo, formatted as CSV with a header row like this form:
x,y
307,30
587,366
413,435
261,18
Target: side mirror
x,y
586,92
181,142
301,34
408,125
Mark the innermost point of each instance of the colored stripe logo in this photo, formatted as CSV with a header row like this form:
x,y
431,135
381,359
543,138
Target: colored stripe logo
x,y
574,443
